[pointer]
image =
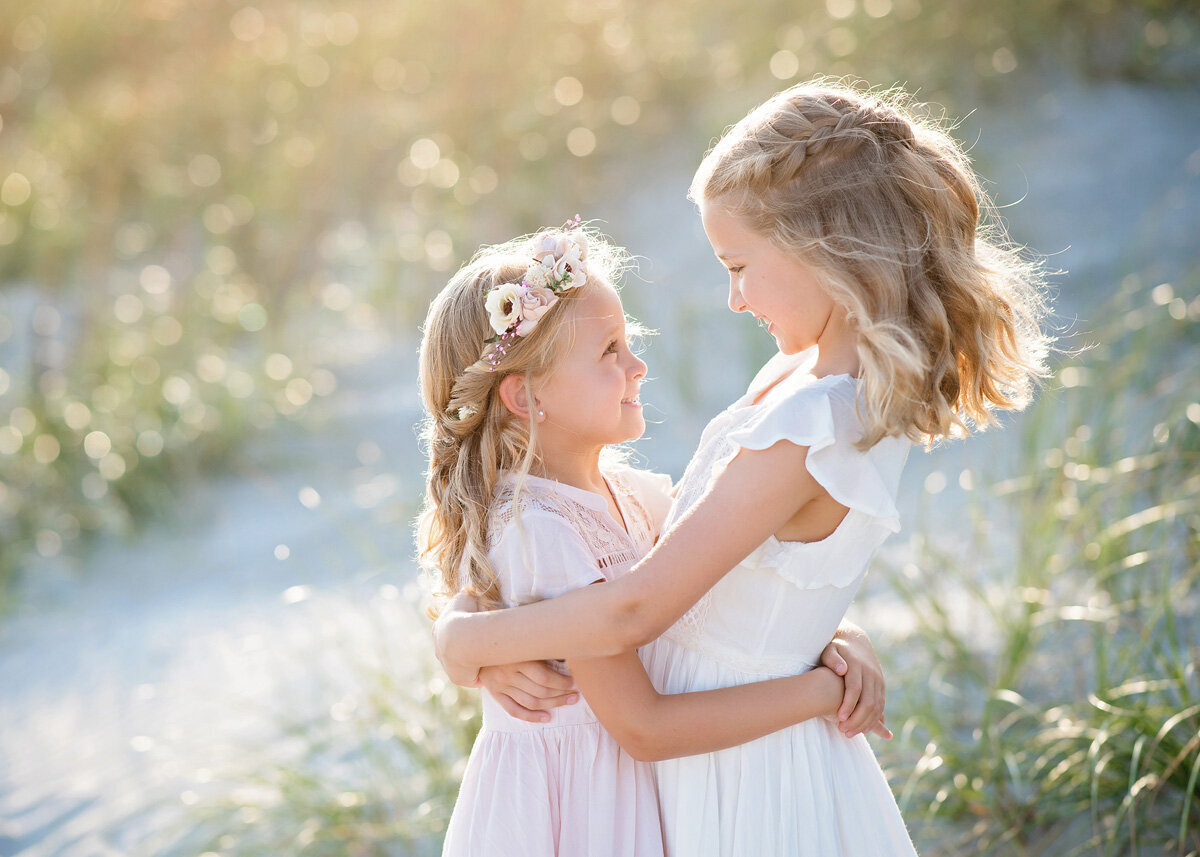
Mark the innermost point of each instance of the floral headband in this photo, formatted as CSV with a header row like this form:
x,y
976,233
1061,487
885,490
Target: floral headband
x,y
559,264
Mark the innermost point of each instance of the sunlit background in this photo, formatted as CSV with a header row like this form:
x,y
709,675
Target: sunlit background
x,y
220,225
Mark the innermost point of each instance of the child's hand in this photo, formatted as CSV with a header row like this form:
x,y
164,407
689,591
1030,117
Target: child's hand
x,y
838,689
528,690
851,655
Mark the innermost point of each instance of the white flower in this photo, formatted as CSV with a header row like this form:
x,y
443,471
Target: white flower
x,y
535,303
504,306
562,268
572,263
537,276
577,241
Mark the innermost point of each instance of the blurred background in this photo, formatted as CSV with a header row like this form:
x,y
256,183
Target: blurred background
x,y
220,226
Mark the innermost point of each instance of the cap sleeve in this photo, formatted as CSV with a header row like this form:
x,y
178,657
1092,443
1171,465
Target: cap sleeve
x,y
821,415
539,555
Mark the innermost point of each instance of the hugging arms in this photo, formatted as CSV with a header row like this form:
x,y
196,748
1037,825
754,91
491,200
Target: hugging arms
x,y
608,619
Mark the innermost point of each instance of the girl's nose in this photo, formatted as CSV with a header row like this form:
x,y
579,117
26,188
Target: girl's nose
x,y
736,302
638,368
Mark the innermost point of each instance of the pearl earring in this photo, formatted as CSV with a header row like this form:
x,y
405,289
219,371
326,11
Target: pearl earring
x,y
541,413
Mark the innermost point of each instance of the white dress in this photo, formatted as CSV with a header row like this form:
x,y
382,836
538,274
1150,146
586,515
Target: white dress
x,y
564,788
806,790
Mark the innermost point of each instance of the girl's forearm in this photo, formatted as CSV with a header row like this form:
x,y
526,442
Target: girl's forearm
x,y
684,724
585,623
653,726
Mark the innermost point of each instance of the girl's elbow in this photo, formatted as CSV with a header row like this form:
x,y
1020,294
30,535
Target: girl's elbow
x,y
449,649
642,753
629,636
638,625
641,747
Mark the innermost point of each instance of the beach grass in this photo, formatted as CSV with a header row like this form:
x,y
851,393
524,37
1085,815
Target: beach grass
x,y
1060,636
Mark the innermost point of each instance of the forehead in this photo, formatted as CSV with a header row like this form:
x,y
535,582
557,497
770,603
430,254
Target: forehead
x,y
599,307
723,226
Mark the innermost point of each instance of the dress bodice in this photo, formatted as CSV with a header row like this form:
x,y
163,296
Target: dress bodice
x,y
547,538
777,609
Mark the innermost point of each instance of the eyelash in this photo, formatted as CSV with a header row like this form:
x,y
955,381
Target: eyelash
x,y
735,269
612,347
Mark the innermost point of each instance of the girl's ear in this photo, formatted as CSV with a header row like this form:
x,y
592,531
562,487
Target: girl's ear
x,y
514,393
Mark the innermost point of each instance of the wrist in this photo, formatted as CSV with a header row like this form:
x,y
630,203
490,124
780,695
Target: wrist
x,y
830,690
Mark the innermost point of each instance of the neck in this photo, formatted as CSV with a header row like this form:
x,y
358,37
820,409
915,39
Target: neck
x,y
574,467
837,348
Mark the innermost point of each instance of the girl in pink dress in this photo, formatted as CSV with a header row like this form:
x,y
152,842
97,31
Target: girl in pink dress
x,y
527,377
852,228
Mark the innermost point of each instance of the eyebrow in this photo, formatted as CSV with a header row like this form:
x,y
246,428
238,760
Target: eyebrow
x,y
612,329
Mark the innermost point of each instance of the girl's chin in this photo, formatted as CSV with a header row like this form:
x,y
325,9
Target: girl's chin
x,y
634,434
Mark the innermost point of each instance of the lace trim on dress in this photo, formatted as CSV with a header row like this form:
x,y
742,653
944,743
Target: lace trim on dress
x,y
641,522
605,540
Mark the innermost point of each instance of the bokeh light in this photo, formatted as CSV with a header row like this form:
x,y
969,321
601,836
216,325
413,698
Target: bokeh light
x,y
211,215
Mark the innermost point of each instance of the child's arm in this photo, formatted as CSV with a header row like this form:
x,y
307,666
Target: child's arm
x,y
651,726
606,619
526,690
529,689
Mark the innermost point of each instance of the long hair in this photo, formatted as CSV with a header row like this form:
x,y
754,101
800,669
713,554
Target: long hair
x,y
468,434
883,205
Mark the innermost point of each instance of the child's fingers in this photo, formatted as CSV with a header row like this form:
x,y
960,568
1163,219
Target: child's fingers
x,y
536,696
537,703
851,696
519,711
833,659
551,679
864,715
868,710
882,731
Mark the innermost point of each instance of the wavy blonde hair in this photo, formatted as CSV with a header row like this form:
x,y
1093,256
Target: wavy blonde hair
x,y
883,205
469,449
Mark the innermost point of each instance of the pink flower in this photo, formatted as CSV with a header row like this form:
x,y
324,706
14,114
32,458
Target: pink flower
x,y
535,303
545,244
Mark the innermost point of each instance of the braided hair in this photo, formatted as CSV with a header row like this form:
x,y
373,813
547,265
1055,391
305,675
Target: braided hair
x,y
882,204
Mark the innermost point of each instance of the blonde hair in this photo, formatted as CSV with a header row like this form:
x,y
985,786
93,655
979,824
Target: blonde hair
x,y
468,434
884,207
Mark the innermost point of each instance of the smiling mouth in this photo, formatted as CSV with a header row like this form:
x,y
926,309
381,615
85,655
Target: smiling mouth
x,y
634,400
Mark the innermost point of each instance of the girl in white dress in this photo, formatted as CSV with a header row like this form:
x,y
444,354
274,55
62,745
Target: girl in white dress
x,y
527,376
852,229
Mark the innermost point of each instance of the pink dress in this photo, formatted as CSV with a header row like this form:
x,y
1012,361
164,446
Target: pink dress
x,y
564,788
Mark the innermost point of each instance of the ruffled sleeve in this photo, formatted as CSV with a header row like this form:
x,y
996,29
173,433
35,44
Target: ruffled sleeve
x,y
539,555
821,415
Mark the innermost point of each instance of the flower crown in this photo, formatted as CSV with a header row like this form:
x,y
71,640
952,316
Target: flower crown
x,y
559,264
